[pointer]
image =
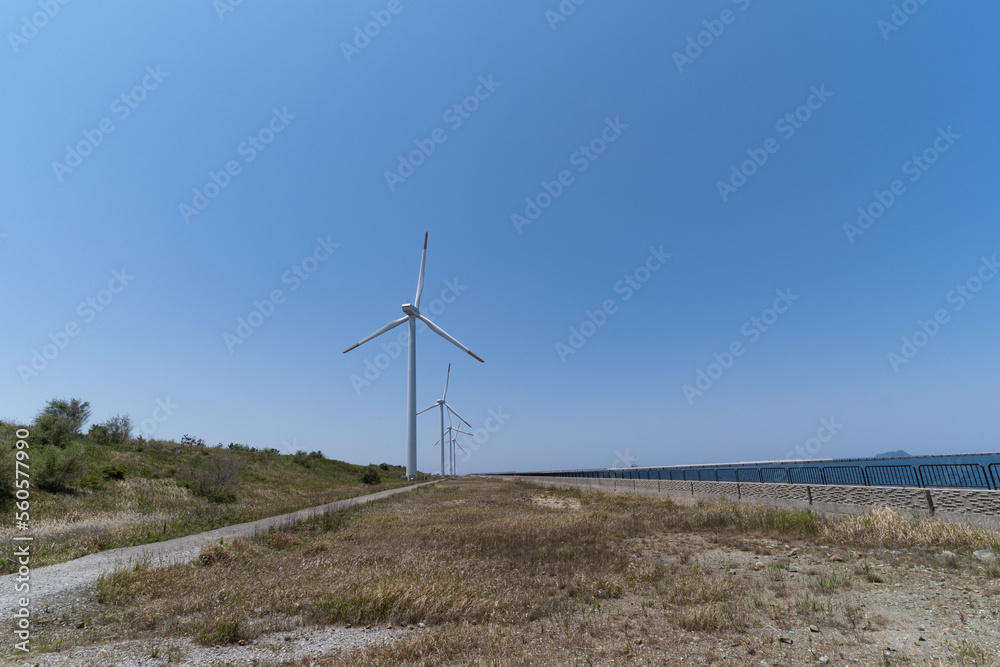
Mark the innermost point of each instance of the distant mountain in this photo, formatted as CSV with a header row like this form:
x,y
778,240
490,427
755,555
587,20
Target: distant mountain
x,y
892,455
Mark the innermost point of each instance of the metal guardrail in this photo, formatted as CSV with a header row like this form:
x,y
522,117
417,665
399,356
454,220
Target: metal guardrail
x,y
958,471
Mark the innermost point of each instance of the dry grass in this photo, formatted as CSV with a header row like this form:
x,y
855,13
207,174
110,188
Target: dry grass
x,y
150,505
887,528
508,575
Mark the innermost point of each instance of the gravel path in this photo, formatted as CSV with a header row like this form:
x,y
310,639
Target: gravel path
x,y
48,582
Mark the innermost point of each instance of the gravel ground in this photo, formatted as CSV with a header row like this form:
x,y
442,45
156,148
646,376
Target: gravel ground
x,y
49,582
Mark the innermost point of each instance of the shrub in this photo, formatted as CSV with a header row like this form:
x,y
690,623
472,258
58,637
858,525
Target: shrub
x,y
58,470
119,429
113,472
60,421
99,434
215,477
7,439
92,482
370,475
301,458
194,442
384,466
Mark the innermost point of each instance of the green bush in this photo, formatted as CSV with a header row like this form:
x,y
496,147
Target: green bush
x,y
113,472
7,440
60,421
370,475
119,429
92,482
56,469
99,434
384,466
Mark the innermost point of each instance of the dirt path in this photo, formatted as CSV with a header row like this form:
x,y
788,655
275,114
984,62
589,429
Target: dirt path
x,y
48,582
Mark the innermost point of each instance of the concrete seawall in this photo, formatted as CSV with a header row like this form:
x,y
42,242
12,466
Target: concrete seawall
x,y
972,507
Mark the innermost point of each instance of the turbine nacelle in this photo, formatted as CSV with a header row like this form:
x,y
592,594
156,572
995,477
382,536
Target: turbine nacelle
x,y
411,310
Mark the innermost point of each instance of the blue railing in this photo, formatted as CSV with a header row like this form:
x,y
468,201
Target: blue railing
x,y
953,471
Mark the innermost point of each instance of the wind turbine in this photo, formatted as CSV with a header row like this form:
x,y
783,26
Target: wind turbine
x,y
412,314
442,404
452,441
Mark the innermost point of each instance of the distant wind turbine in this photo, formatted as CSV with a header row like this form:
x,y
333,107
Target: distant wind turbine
x,y
452,440
412,315
442,404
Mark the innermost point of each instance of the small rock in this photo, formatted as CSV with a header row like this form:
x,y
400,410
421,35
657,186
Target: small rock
x,y
79,626
348,626
242,642
824,659
758,566
813,628
921,628
984,555
786,640
793,569
421,625
836,559
921,639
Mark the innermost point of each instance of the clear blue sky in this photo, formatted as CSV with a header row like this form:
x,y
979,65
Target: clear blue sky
x,y
202,86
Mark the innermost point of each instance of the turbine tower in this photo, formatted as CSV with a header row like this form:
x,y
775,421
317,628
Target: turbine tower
x,y
442,404
452,440
412,314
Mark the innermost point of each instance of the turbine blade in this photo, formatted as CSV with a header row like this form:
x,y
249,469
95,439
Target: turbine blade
x,y
444,334
420,280
458,415
391,325
461,447
458,430
427,408
446,379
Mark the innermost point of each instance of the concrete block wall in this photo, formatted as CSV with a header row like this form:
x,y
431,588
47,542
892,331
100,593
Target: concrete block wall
x,y
974,507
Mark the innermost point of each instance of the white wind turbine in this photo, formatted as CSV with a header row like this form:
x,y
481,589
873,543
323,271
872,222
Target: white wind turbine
x,y
412,315
452,441
443,405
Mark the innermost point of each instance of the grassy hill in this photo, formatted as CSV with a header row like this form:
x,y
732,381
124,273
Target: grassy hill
x,y
91,494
